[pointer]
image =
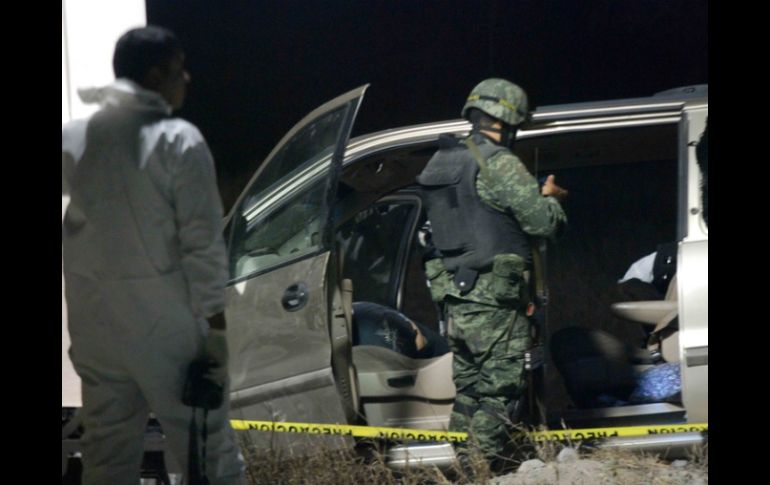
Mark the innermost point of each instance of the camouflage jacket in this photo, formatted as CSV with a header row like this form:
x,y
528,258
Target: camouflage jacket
x,y
506,185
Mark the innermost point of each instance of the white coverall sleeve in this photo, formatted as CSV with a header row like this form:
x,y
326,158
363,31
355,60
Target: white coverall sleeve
x,y
199,218
66,163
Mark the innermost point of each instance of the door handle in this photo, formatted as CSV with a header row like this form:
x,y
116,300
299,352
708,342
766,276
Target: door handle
x,y
403,381
295,297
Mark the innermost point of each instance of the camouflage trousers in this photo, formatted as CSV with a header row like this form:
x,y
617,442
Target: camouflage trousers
x,y
488,344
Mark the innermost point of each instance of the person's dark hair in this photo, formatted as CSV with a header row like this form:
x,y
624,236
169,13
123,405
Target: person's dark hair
x,y
139,50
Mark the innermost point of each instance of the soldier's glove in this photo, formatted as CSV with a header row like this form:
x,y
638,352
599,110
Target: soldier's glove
x,y
215,350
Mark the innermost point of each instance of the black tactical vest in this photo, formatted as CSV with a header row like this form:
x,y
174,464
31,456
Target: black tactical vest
x,y
467,231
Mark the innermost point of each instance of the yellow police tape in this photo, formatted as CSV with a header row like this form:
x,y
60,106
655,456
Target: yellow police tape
x,y
403,434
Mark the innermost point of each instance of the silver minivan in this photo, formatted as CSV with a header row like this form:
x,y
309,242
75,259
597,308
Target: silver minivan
x,y
328,221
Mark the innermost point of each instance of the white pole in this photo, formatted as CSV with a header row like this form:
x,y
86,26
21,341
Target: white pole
x,y
89,31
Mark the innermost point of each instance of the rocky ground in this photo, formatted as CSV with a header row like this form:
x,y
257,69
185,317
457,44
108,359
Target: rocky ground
x,y
607,468
554,465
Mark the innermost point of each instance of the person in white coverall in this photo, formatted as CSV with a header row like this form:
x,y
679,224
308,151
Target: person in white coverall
x,y
144,265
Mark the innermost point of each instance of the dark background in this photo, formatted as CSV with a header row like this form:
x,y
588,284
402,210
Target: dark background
x,y
259,66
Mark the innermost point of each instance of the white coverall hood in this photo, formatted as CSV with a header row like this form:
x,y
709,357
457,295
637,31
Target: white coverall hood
x,y
125,93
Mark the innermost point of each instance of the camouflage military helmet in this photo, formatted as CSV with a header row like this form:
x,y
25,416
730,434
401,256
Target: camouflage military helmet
x,y
500,99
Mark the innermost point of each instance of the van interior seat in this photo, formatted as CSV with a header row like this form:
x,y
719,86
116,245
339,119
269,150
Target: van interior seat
x,y
645,312
660,313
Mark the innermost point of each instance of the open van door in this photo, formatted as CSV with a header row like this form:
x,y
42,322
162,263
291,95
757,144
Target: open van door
x,y
282,358
693,270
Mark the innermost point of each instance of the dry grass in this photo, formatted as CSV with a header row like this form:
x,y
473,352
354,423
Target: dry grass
x,y
343,466
366,464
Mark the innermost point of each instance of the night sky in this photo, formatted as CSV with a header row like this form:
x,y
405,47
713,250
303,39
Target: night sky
x,y
259,66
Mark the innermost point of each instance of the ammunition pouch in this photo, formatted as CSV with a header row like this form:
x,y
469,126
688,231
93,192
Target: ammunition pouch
x,y
509,286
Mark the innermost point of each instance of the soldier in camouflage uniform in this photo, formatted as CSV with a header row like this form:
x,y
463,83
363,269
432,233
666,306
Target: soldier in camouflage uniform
x,y
485,207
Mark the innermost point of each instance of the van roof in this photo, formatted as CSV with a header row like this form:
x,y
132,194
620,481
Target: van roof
x,y
661,101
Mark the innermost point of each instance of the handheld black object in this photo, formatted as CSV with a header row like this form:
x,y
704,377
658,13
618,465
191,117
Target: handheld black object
x,y
199,390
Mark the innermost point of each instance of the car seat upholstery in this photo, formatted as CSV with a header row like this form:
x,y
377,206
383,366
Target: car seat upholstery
x,y
660,313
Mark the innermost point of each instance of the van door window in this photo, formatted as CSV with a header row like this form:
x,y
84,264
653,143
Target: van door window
x,y
284,233
372,246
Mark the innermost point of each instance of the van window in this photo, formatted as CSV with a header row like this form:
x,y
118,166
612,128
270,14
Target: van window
x,y
286,232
